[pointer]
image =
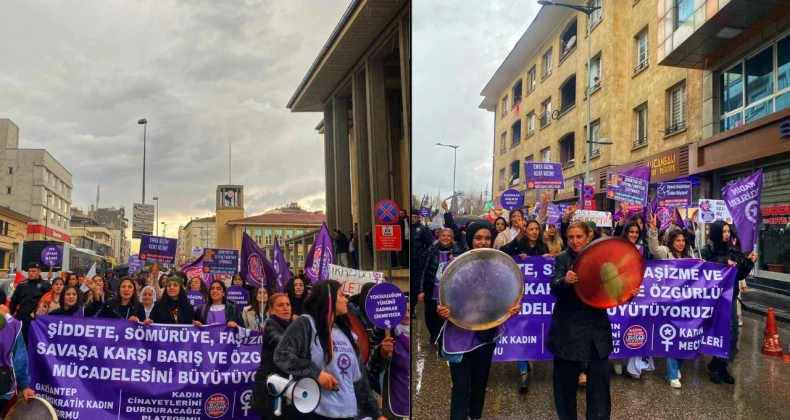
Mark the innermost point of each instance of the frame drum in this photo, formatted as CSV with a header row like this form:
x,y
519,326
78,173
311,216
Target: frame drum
x,y
609,269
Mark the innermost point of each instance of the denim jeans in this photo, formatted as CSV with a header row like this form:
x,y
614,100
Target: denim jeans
x,y
523,367
673,368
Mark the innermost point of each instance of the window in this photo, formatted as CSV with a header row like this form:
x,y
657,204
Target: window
x,y
289,233
514,173
279,233
258,236
248,232
531,123
568,150
46,175
504,106
595,136
301,260
503,143
529,158
568,95
568,40
299,232
596,16
517,92
515,129
595,73
10,171
532,79
8,190
3,265
642,50
684,9
677,109
545,118
545,155
268,236
3,228
547,63
502,179
641,126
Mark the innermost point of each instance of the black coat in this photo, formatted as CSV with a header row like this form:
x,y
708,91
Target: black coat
x,y
26,296
421,240
431,264
575,326
342,243
262,401
113,309
162,314
459,237
522,247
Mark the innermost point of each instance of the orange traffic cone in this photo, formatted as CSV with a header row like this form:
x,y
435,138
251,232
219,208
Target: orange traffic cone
x,y
771,344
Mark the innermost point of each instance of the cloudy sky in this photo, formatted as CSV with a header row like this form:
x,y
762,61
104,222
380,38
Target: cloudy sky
x,y
458,45
76,75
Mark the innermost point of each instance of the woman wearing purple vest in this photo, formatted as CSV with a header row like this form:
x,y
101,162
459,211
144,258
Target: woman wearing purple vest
x,y
468,352
12,342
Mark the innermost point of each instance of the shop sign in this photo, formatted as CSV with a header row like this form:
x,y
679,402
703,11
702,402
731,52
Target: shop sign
x,y
663,167
776,215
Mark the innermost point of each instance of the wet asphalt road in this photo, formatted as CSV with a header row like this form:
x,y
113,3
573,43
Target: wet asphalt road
x,y
761,391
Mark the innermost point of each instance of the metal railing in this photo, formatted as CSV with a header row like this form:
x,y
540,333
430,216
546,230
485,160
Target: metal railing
x,y
672,129
567,52
641,66
530,133
545,120
568,164
640,142
565,107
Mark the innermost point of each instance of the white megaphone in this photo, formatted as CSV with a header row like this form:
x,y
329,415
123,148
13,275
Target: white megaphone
x,y
304,394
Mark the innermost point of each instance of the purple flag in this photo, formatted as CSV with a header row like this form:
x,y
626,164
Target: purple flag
x,y
256,270
195,269
280,267
743,202
320,256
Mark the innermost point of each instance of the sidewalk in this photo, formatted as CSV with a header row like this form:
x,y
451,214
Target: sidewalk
x,y
758,301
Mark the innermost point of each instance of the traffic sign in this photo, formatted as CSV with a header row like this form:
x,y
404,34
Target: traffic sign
x,y
386,212
143,217
143,226
388,238
143,208
588,192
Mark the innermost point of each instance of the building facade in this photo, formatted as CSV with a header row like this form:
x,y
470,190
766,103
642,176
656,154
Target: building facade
x,y
36,185
196,236
98,239
361,83
743,49
13,231
264,227
538,95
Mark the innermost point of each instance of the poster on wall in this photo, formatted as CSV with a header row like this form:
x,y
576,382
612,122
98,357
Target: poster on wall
x,y
713,210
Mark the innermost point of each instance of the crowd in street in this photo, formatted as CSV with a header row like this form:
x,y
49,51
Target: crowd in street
x,y
580,336
306,330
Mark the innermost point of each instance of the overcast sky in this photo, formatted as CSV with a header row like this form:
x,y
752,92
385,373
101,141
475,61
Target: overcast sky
x,y
458,45
76,75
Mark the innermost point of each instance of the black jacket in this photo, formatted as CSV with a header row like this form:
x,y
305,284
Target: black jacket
x,y
575,326
711,254
522,247
262,401
342,243
113,309
421,240
375,337
26,296
162,314
459,238
231,313
431,264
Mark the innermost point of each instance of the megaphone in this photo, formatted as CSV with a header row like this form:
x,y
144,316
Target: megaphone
x,y
304,394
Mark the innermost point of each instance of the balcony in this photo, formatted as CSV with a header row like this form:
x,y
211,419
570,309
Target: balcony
x,y
568,164
672,129
691,38
566,107
545,120
639,143
643,65
530,133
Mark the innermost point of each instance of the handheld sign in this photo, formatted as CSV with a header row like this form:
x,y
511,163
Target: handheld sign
x,y
511,199
385,305
238,295
51,255
553,213
195,298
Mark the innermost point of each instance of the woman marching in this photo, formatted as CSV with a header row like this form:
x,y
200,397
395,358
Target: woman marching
x,y
147,299
580,336
51,300
319,345
256,313
296,293
197,284
70,302
174,307
528,243
279,306
677,248
123,306
470,363
218,309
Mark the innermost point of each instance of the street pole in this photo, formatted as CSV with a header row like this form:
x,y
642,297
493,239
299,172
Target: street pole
x,y
144,123
588,150
455,155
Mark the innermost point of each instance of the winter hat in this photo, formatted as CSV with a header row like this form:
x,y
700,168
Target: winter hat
x,y
415,212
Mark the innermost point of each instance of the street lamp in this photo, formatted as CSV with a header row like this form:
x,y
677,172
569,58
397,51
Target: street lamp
x,y
164,229
455,155
157,215
144,123
588,10
46,218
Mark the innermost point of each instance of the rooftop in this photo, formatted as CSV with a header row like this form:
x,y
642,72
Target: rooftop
x,y
283,218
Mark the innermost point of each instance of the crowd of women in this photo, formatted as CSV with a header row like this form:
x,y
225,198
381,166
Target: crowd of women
x,y
305,333
580,336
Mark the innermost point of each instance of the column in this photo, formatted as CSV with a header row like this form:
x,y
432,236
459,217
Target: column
x,y
329,167
342,165
304,250
378,141
404,47
364,209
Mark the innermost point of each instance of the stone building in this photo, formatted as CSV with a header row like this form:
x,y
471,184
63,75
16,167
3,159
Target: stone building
x,y
538,96
13,231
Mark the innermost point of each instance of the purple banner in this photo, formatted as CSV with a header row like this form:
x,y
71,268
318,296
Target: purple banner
x,y
743,203
158,249
320,256
221,261
135,264
195,269
629,186
683,309
256,270
553,213
674,194
239,296
511,199
425,212
544,175
280,266
107,369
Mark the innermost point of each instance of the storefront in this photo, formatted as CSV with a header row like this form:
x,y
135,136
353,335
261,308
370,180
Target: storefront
x,y
729,157
570,194
668,166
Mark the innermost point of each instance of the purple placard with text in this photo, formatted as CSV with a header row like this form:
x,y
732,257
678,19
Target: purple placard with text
x,y
221,261
683,309
108,369
195,298
674,194
627,189
51,255
425,212
511,199
157,249
238,295
553,213
385,305
544,176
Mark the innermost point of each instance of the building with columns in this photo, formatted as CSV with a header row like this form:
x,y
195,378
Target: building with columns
x,y
264,227
360,81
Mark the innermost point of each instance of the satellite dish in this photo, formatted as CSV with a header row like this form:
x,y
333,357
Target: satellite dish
x,y
571,43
